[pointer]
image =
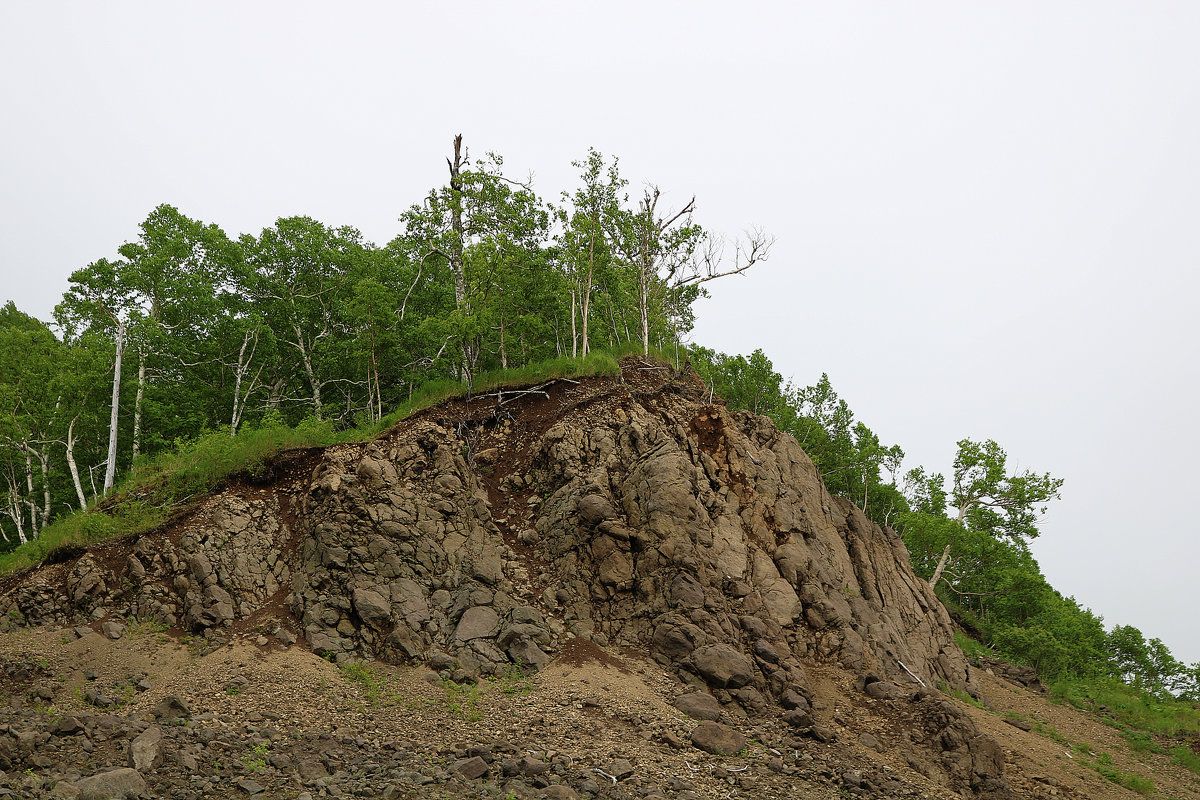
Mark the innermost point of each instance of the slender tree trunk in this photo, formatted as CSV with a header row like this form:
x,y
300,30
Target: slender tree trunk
x,y
137,405
587,288
456,222
644,308
14,511
110,470
29,499
574,334
937,573
457,245
242,366
72,466
306,358
503,350
44,461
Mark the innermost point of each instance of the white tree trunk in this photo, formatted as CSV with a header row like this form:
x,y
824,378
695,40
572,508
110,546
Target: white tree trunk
x,y
137,406
574,334
110,470
937,573
44,462
309,371
29,498
72,466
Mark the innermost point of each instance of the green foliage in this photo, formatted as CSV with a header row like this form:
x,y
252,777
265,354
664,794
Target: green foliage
x,y
256,759
377,688
988,499
971,648
463,699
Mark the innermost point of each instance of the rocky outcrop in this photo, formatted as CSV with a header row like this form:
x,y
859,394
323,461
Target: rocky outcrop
x,y
481,536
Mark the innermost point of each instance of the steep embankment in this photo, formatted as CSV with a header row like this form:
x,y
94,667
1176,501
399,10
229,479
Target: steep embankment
x,y
630,513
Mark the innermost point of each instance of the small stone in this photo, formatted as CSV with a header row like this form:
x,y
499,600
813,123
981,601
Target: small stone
x,y
620,769
474,767
66,726
250,786
477,622
870,742
112,629
172,708
723,667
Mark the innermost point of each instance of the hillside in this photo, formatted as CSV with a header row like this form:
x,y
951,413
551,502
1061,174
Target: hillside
x,y
605,587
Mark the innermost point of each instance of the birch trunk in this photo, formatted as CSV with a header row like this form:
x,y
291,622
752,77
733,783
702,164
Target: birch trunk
x,y
587,289
306,358
29,501
72,466
137,405
110,469
937,573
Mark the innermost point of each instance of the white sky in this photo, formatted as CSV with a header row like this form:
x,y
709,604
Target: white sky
x,y
986,213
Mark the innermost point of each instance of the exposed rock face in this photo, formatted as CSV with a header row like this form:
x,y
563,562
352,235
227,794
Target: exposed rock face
x,y
478,536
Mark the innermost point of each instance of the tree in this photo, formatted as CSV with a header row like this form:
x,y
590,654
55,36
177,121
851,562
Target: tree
x,y
100,301
585,239
989,499
464,226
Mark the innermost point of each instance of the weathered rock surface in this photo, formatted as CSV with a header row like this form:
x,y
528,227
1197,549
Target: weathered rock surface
x,y
631,512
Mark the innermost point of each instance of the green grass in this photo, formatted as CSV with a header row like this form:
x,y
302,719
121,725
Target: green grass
x,y
972,648
1130,707
463,699
377,689
1141,742
1131,781
147,496
1184,757
959,694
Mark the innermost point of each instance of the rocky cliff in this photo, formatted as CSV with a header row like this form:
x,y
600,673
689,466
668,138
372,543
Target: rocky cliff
x,y
483,534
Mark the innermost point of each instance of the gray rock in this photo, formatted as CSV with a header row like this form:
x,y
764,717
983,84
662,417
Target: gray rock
x,y
112,629
722,666
172,708
870,742
472,768
145,752
477,622
885,690
718,739
372,607
117,784
250,786
311,768
699,705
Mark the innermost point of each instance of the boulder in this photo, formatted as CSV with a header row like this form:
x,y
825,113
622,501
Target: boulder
x,y
118,784
718,739
145,751
699,705
722,666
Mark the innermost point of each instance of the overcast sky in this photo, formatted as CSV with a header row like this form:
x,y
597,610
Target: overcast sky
x,y
987,217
